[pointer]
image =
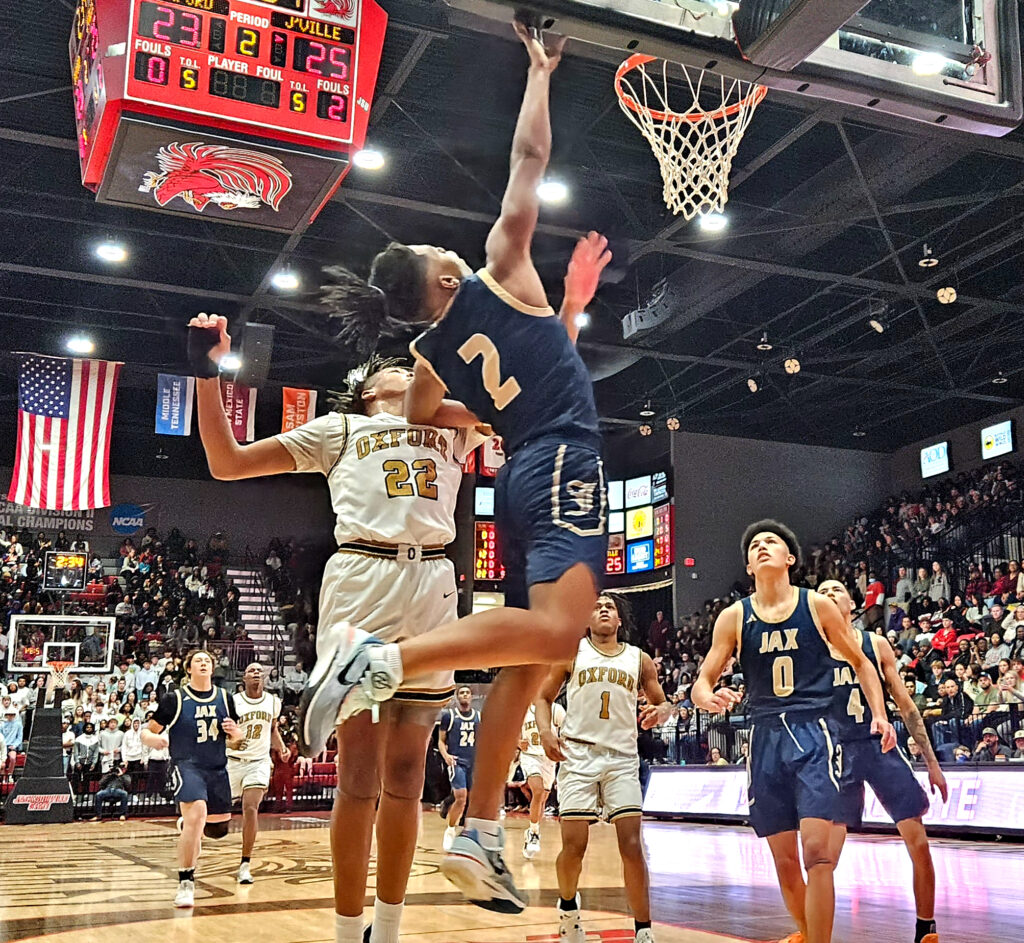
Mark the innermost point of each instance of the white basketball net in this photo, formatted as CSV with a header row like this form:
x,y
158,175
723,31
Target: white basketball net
x,y
694,147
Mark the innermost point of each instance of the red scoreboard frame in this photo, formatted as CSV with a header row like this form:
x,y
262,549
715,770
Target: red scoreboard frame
x,y
300,71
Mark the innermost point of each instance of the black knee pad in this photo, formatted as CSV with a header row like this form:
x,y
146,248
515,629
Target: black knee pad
x,y
215,829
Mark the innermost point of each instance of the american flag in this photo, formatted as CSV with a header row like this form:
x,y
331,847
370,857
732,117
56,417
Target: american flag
x,y
65,411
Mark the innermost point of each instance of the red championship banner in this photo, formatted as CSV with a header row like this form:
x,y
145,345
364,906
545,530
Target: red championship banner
x,y
299,406
240,408
492,456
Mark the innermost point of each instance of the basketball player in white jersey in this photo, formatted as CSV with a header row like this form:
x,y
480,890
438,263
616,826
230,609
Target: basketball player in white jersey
x,y
600,763
393,487
249,765
538,771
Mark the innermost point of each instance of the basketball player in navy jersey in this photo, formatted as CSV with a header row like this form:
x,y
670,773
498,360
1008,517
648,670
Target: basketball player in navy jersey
x,y
782,635
200,722
456,742
889,774
497,347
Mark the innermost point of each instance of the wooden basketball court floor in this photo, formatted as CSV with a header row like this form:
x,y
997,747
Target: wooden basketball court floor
x,y
92,882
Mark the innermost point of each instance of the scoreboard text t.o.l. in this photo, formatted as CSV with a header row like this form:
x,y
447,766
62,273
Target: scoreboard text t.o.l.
x,y
298,72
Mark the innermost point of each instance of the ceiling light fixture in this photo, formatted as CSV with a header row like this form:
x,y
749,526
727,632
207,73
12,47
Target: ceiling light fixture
x,y
368,158
753,384
647,412
859,433
552,191
713,222
161,455
764,344
230,363
672,423
582,320
645,429
111,251
927,259
79,345
285,280
946,295
999,378
792,365
928,63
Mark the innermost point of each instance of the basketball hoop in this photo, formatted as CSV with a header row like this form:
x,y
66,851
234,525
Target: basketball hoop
x,y
694,147
58,674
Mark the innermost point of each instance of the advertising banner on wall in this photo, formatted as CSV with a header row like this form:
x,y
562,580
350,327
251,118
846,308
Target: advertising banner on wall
x,y
18,518
174,398
298,407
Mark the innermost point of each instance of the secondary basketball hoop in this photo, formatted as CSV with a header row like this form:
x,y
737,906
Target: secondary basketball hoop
x,y
694,146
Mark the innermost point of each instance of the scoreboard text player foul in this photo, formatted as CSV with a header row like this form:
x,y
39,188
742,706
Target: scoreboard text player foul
x,y
244,111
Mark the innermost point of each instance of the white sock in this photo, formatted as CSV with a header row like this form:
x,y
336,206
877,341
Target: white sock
x,y
535,828
492,836
393,659
348,929
386,918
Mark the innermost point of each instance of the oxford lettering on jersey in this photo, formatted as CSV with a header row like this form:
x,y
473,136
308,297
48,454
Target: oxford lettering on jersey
x,y
252,716
610,675
778,641
393,438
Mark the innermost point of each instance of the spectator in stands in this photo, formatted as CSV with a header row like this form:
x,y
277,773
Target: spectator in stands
x,y
1017,642
920,701
114,787
12,735
110,738
998,650
988,699
148,674
904,587
274,683
921,584
294,681
990,750
915,752
945,642
1003,583
1018,745
715,758
658,633
67,739
86,754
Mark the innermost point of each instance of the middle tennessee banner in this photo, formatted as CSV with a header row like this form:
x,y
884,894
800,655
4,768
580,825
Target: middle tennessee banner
x,y
240,408
299,406
174,397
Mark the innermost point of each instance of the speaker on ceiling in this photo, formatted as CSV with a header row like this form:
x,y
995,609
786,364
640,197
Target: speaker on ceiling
x,y
255,350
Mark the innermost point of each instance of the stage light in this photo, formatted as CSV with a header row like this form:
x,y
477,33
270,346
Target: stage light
x,y
552,191
764,344
368,159
713,222
999,378
752,384
672,423
859,433
927,259
946,295
647,412
928,63
791,366
285,280
111,251
230,363
80,345
582,320
645,429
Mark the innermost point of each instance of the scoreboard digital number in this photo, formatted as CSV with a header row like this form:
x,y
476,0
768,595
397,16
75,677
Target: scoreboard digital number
x,y
663,536
64,572
487,560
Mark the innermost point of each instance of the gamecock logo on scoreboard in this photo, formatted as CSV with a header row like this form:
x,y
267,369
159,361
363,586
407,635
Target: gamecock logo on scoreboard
x,y
230,177
340,9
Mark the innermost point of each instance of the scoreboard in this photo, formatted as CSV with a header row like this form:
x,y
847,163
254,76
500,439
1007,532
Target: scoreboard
x,y
64,572
299,72
487,559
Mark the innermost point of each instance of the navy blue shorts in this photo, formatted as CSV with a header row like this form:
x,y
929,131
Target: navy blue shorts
x,y
793,773
461,776
551,513
192,783
890,777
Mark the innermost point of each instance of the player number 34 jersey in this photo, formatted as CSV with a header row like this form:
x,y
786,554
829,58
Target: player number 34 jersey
x,y
256,720
600,699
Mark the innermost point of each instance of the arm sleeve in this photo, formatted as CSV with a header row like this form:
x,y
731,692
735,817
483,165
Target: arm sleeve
x,y
166,710
229,703
316,445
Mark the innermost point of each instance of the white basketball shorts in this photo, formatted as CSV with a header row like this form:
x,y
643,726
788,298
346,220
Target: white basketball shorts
x,y
249,774
538,766
593,779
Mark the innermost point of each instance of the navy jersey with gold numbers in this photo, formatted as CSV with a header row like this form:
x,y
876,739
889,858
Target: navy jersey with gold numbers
x,y
786,665
849,706
513,365
194,721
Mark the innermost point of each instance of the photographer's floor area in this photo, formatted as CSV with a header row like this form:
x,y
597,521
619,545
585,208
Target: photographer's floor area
x,y
92,882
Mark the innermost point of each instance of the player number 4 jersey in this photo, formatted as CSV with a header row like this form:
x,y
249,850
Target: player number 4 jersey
x,y
256,720
390,481
531,734
601,694
849,706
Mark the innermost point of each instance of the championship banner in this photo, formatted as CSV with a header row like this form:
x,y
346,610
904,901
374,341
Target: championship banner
x,y
174,398
492,456
240,408
299,406
468,464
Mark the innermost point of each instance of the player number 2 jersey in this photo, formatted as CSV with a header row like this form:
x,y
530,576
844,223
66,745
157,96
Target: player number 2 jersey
x,y
256,719
531,734
391,482
849,706
600,699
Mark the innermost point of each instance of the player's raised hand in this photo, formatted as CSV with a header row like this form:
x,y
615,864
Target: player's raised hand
x,y
655,716
589,259
886,731
717,702
208,343
233,731
554,749
545,54
937,779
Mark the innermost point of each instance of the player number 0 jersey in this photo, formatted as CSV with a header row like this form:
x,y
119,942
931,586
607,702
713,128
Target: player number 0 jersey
x,y
600,700
256,719
390,481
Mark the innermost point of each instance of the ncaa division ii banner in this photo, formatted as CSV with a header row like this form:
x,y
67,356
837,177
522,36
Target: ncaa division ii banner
x,y
174,398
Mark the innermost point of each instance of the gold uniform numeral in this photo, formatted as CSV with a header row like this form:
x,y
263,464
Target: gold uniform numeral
x,y
423,473
605,698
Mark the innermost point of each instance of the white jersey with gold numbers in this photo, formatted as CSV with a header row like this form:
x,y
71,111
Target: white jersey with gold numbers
x,y
255,720
601,694
531,734
391,482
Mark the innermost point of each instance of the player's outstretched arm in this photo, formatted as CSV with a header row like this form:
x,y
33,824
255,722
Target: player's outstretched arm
x,y
911,715
724,642
549,690
837,634
508,244
153,737
588,260
209,341
658,709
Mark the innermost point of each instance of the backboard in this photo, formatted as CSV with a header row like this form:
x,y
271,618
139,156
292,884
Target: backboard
x,y
951,63
85,641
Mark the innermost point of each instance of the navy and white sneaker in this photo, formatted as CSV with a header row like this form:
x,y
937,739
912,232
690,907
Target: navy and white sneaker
x,y
337,671
480,874
378,683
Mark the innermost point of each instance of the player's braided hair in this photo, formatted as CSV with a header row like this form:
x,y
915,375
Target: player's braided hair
x,y
382,306
350,400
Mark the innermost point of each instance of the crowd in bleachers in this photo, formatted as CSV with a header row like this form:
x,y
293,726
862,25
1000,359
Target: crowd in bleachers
x,y
956,624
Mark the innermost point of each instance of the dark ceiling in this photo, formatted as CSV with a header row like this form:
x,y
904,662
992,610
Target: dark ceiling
x,y
828,213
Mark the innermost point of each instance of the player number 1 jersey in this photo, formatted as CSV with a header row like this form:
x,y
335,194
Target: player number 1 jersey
x,y
600,699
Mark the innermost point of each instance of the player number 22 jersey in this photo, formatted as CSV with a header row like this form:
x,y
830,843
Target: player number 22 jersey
x,y
531,734
256,720
600,699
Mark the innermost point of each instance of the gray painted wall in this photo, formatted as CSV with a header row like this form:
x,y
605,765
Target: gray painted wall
x,y
723,484
964,450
